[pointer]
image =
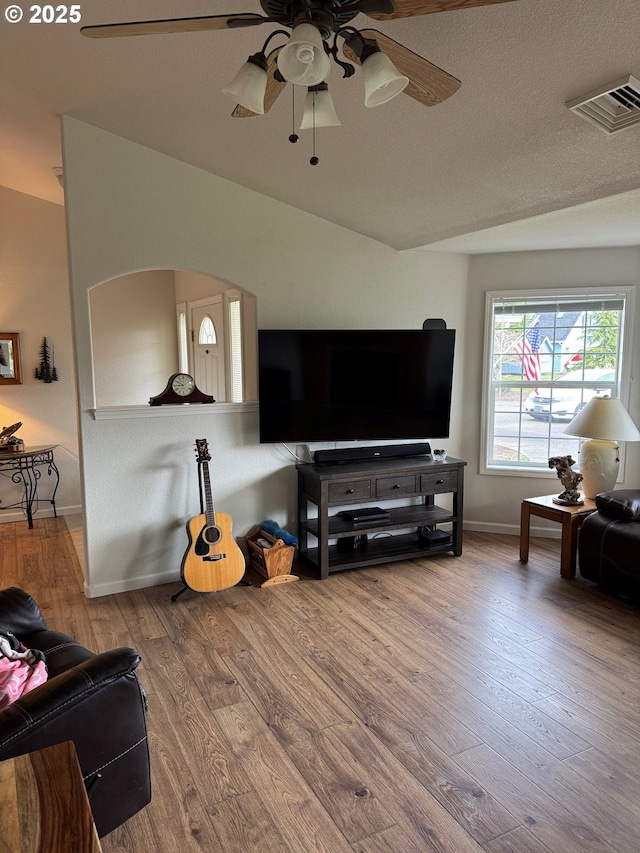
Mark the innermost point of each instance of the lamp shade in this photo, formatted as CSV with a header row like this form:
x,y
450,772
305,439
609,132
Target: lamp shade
x,y
318,109
249,86
303,60
603,422
604,417
382,80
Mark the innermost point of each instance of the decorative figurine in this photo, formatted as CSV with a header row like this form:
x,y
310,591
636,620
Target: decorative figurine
x,y
46,371
570,480
10,443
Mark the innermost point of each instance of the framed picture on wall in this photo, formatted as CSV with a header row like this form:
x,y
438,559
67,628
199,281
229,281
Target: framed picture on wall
x,y
10,366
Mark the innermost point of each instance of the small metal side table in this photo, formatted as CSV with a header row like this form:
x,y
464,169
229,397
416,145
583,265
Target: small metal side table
x,y
25,468
570,517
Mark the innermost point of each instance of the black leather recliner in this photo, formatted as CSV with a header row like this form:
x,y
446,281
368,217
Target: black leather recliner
x,y
93,700
609,542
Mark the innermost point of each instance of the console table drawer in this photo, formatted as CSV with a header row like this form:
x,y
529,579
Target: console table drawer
x,y
346,492
445,481
391,487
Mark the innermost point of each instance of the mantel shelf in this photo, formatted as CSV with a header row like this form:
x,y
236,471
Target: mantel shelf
x,y
188,409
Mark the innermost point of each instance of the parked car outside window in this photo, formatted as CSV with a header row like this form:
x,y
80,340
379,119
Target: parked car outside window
x,y
563,404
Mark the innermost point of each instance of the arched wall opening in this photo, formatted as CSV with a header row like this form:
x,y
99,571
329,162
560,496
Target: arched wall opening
x,y
145,327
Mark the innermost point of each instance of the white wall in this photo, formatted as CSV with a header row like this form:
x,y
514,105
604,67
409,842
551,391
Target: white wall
x,y
192,285
34,302
492,502
130,208
133,329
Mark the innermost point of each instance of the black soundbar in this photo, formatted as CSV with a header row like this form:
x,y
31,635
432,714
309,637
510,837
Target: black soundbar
x,y
376,451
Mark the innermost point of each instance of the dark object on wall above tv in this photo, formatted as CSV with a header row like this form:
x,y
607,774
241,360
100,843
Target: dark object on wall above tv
x,y
354,385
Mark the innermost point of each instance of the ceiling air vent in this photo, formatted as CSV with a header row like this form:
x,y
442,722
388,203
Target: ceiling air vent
x,y
613,107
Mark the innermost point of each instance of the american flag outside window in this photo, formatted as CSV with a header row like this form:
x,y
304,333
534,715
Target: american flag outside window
x,y
528,349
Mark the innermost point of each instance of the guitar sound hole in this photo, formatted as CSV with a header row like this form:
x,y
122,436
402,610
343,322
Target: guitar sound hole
x,y
212,535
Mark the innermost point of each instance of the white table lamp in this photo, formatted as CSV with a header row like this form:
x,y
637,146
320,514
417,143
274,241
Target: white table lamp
x,y
604,422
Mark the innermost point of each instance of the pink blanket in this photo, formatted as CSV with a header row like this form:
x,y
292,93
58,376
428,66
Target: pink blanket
x,y
21,669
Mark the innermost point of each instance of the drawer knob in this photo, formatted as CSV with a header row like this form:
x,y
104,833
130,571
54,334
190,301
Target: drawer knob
x,y
396,485
349,491
439,482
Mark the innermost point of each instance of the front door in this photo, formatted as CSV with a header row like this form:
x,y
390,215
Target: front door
x,y
209,347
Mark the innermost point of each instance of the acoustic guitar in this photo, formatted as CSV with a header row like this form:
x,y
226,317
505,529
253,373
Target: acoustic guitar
x,y
213,559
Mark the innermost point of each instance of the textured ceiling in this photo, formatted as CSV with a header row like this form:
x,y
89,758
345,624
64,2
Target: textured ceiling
x,y
504,148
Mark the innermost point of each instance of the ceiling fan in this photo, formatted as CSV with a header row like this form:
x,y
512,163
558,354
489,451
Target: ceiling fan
x,y
305,58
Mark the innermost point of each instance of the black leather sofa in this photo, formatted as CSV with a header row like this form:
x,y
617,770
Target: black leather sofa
x,y
93,700
609,542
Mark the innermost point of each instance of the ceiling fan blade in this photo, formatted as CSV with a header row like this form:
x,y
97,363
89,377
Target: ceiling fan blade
x,y
175,25
428,84
409,8
274,88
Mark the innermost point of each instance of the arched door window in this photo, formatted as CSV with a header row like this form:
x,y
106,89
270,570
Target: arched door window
x,y
207,334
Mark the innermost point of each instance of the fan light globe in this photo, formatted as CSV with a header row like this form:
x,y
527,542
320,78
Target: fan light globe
x,y
248,87
318,109
382,80
303,60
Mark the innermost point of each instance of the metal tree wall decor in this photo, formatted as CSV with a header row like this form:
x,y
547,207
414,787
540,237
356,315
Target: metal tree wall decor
x,y
46,371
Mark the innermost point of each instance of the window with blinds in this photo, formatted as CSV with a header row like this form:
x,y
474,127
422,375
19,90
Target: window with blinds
x,y
235,349
548,354
183,343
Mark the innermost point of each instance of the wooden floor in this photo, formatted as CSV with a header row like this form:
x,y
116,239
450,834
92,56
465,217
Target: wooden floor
x,y
449,704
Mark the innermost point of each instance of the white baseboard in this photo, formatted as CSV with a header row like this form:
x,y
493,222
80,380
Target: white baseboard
x,y
512,529
44,512
142,582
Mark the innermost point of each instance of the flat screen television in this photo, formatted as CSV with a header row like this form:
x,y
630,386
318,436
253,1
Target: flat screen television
x,y
354,385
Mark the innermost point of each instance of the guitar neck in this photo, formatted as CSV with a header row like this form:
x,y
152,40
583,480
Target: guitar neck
x,y
208,497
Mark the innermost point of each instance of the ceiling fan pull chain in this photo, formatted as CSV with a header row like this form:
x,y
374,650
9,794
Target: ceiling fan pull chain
x,y
314,160
294,136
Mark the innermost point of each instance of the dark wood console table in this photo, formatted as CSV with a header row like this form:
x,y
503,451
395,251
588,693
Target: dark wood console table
x,y
24,468
416,480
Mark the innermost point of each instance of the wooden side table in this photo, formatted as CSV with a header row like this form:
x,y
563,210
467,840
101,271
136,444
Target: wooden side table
x,y
570,517
44,804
